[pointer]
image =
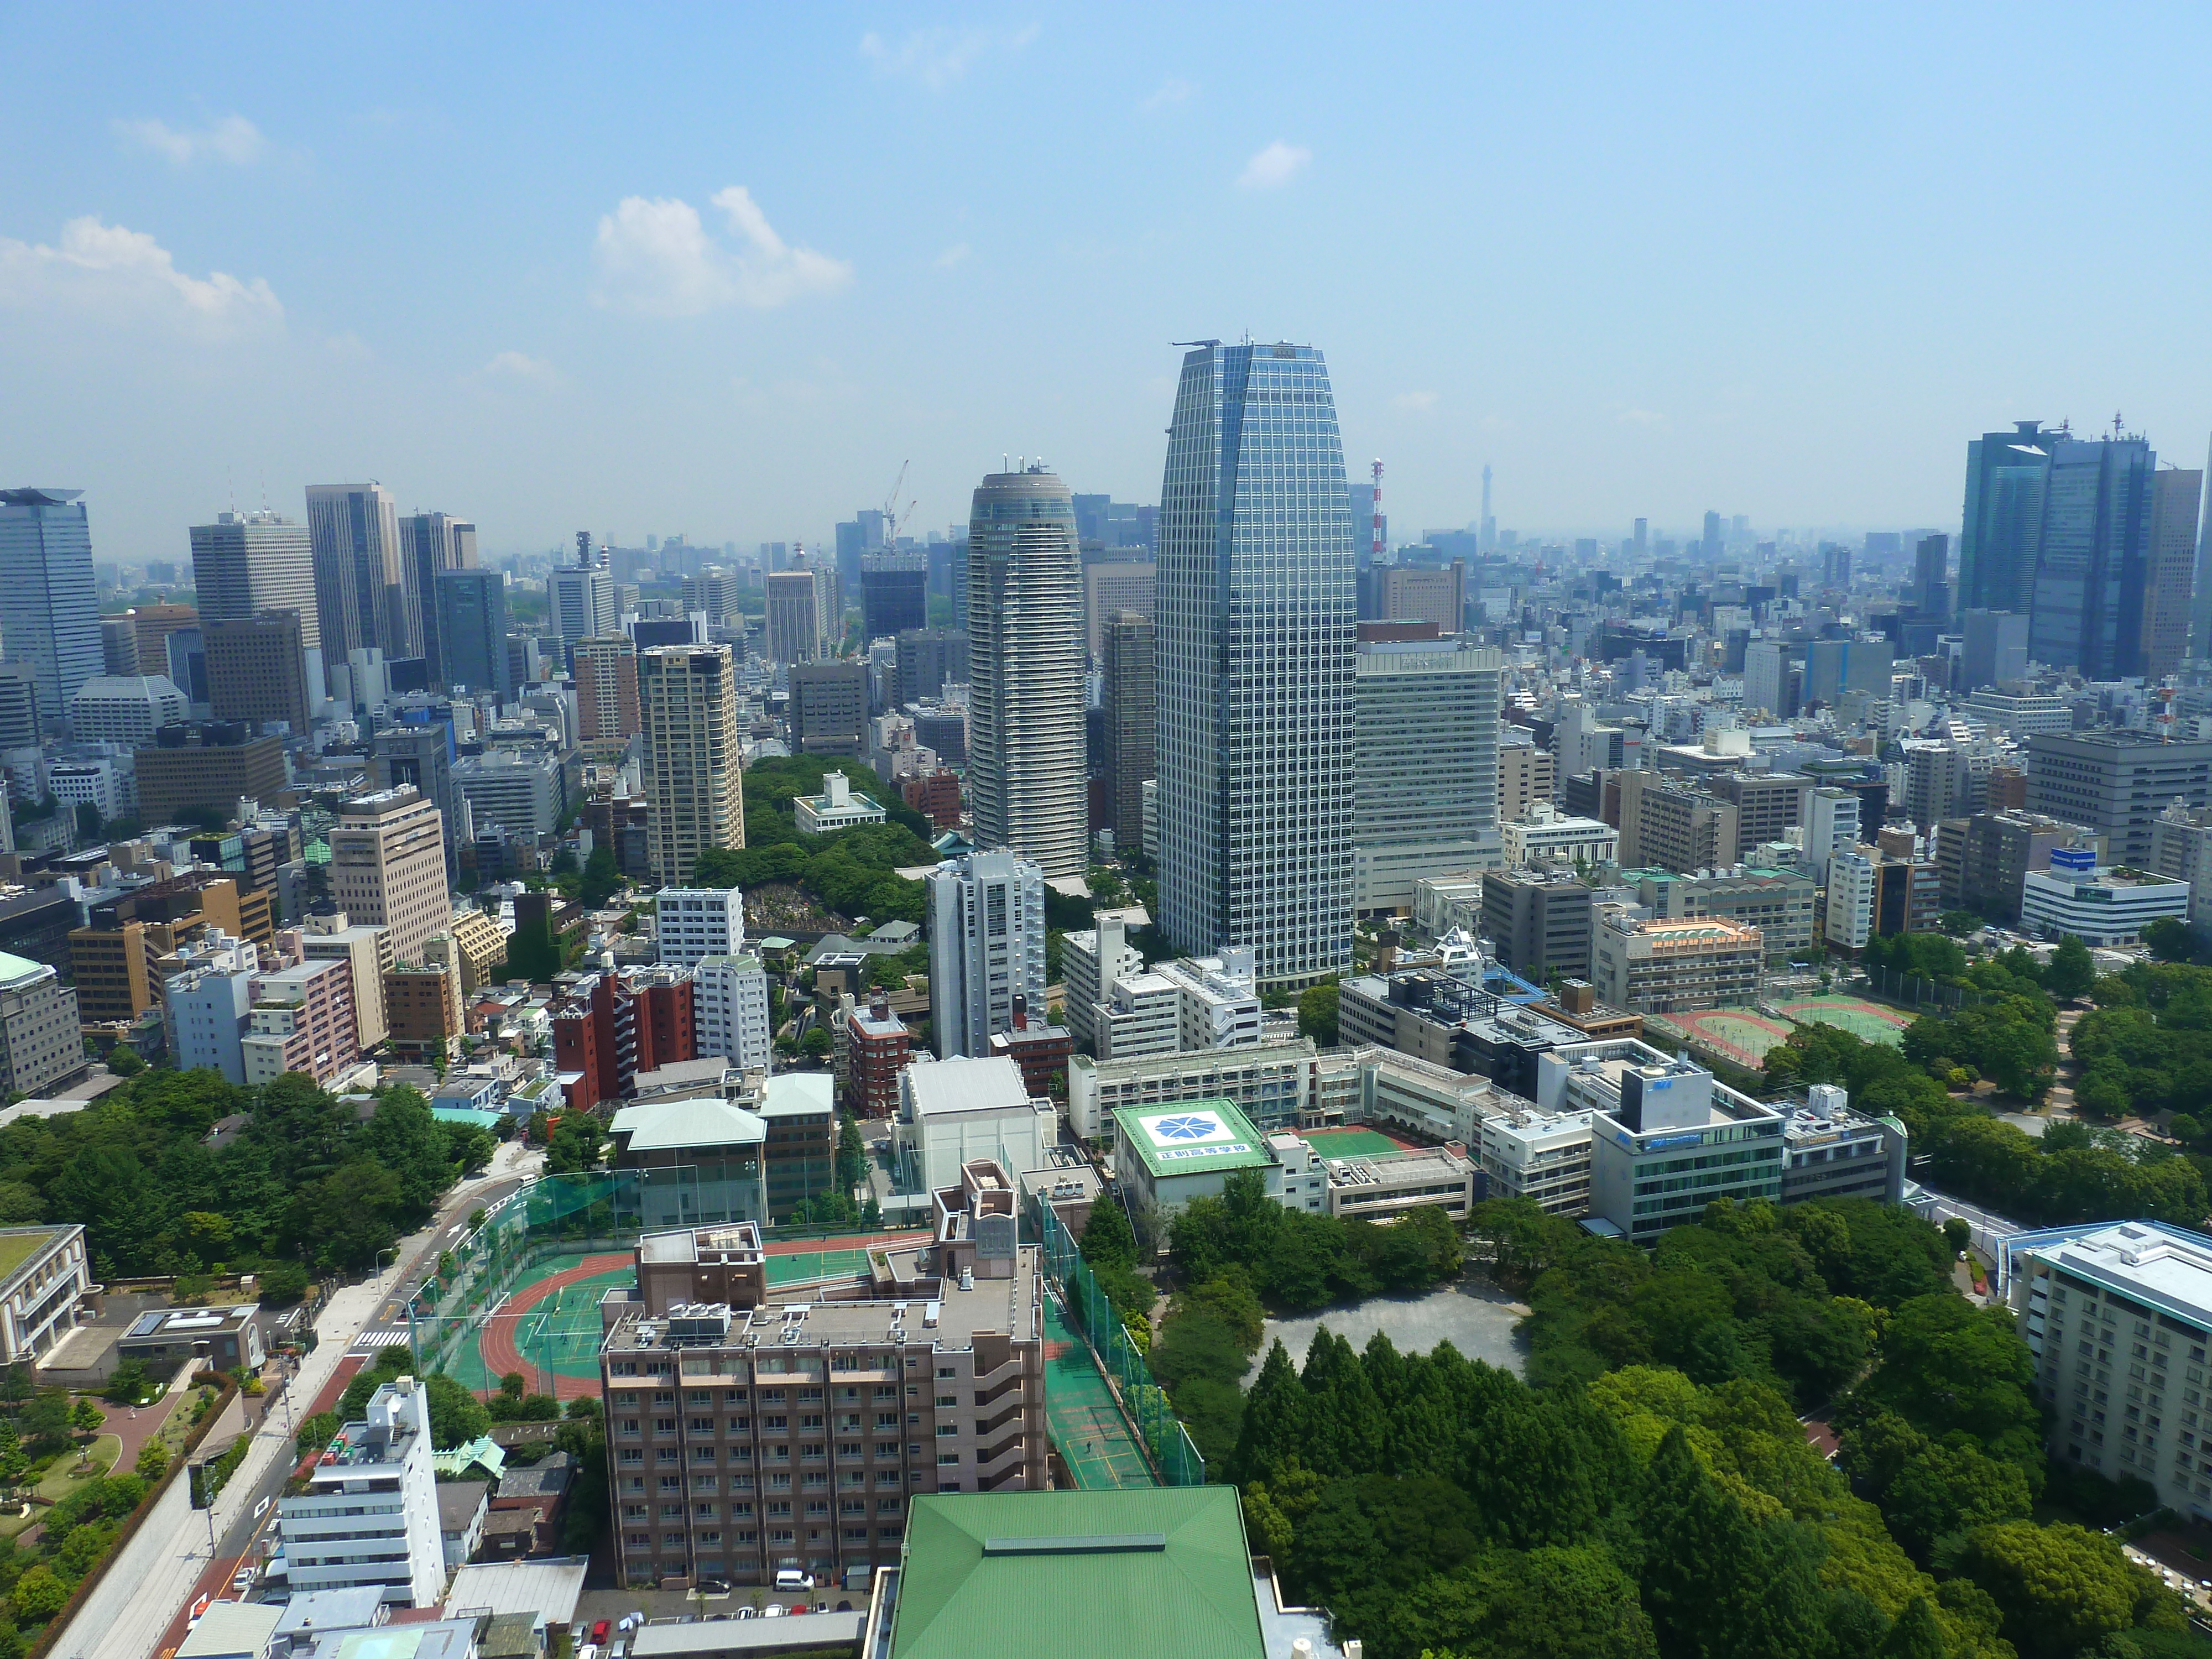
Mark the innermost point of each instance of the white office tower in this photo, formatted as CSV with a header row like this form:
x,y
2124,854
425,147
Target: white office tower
x,y
693,923
1850,921
1831,826
1426,761
582,605
1089,962
1253,628
244,563
986,948
1026,657
729,1009
369,1514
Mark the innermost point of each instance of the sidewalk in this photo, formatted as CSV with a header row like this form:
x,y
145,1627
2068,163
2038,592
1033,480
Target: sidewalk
x,y
143,1601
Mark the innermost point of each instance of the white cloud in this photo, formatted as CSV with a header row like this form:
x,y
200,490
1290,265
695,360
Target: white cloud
x,y
1274,165
518,369
656,256
1640,417
1170,91
936,57
233,139
952,256
1423,400
122,273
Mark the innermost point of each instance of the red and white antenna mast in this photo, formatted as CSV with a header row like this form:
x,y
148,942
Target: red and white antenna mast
x,y
1375,545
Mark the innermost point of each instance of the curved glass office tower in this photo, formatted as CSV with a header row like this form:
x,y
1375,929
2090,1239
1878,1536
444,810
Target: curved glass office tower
x,y
1025,661
1254,636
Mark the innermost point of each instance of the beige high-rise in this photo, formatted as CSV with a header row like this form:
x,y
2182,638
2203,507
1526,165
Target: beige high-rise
x,y
693,762
388,867
606,694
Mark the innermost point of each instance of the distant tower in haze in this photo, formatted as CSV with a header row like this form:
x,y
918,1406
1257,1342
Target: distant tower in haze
x,y
1027,651
1377,540
1710,544
361,594
1254,631
1489,525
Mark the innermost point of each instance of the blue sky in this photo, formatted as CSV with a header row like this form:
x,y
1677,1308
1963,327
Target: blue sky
x,y
719,270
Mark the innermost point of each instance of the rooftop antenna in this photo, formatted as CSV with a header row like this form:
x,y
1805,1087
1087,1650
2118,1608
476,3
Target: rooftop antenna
x,y
230,483
2116,423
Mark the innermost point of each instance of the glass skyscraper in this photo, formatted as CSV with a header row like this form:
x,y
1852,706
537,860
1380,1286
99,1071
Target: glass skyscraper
x,y
2005,473
1253,628
2062,529
49,611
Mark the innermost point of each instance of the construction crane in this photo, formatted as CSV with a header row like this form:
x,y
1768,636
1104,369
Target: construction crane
x,y
894,516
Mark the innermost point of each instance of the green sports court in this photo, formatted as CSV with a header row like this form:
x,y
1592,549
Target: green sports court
x,y
1869,1021
1095,1440
1353,1143
548,1328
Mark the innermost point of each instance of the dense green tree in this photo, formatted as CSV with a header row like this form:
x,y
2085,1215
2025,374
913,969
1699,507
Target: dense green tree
x,y
1559,1602
2071,971
2062,1589
1107,1240
408,1141
1317,1013
1946,1366
1716,1582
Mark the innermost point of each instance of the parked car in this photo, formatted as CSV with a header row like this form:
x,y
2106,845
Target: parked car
x,y
599,1633
790,1578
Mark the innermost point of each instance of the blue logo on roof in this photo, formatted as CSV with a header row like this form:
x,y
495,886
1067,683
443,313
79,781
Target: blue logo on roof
x,y
1186,1129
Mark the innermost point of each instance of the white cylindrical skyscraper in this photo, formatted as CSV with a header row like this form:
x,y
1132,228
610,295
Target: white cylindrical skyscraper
x,y
1026,657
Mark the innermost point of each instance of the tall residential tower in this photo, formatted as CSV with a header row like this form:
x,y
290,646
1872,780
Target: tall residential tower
x,y
1025,664
693,760
1255,632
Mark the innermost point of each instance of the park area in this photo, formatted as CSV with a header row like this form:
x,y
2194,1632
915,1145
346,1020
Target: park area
x,y
1742,1035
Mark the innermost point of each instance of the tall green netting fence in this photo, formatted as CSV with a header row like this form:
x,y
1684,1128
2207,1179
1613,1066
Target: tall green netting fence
x,y
595,1211
1143,1401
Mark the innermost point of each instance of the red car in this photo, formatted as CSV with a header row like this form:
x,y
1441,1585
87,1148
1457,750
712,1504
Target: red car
x,y
600,1632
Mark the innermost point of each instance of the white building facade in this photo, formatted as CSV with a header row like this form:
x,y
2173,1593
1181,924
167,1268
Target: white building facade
x,y
730,1009
370,1513
693,923
986,947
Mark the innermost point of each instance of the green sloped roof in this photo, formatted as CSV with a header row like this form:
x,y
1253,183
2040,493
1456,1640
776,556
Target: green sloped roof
x,y
1169,1562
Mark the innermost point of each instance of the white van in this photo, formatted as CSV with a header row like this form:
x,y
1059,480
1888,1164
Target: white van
x,y
790,1578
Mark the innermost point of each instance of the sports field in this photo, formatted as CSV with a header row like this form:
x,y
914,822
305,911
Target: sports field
x,y
1354,1143
1869,1021
1740,1034
549,1325
547,1328
1094,1438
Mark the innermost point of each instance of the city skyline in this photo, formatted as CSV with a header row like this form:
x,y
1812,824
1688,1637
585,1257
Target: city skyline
x,y
1625,314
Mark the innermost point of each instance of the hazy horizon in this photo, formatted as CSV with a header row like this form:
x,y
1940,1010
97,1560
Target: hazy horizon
x,y
720,274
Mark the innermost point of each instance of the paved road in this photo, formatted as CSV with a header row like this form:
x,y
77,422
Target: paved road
x,y
144,1599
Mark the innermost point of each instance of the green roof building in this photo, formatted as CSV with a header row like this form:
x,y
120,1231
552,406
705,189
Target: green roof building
x,y
1171,1154
1078,1575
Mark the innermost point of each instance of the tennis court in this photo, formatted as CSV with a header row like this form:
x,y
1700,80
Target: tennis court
x,y
1868,1021
547,1328
1735,1033
1094,1438
1354,1143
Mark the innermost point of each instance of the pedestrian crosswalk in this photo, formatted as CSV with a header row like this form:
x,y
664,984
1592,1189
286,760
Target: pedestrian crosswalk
x,y
379,1339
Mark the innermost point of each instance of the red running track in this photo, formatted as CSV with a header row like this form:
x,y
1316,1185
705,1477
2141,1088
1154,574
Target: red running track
x,y
500,1354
